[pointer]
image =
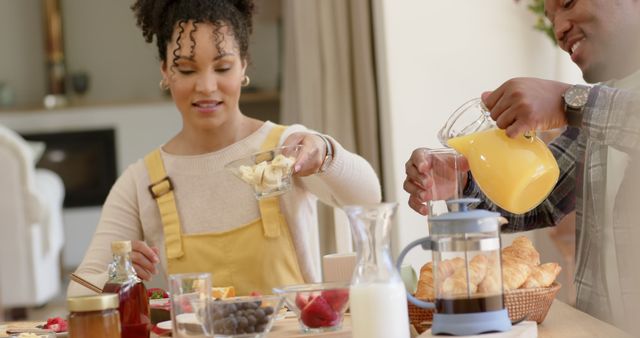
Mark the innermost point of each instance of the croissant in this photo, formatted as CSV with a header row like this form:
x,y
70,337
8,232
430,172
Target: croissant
x,y
522,249
457,283
425,289
514,272
491,282
447,267
542,275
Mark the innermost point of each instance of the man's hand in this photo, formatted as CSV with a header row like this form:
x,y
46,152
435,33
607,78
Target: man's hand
x,y
433,176
525,104
144,259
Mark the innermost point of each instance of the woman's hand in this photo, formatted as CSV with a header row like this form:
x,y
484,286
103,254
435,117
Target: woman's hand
x,y
145,259
424,184
525,104
312,154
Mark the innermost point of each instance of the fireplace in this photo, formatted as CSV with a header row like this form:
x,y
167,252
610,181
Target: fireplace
x,y
85,160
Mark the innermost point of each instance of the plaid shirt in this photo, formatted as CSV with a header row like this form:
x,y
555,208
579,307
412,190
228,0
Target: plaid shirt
x,y
611,119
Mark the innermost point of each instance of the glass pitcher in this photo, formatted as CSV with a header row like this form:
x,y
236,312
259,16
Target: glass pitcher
x,y
467,271
517,174
377,295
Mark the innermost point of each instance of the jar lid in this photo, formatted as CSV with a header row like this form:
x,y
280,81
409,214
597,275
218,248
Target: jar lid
x,y
93,303
465,220
121,247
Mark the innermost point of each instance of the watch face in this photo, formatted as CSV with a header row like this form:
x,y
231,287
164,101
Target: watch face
x,y
576,97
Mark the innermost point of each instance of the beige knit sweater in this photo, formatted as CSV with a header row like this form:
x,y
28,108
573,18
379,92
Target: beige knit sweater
x,y
210,199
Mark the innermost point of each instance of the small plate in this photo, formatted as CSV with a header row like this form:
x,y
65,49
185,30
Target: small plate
x,y
162,303
165,325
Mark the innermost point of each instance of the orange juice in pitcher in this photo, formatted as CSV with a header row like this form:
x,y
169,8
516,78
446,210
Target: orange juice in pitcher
x,y
517,173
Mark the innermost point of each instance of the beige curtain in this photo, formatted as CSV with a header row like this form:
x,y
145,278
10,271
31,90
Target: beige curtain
x,y
329,81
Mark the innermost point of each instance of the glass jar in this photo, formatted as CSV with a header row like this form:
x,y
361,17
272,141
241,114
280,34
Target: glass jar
x,y
94,316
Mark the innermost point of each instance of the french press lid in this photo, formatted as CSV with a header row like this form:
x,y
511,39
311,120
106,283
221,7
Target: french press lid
x,y
465,220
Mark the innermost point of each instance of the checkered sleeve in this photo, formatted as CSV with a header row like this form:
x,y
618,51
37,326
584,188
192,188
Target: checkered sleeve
x,y
560,201
612,117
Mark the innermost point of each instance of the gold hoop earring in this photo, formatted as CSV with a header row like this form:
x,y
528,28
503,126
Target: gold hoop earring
x,y
245,81
163,85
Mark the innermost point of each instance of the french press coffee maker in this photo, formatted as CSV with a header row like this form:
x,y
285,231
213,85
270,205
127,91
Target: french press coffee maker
x,y
467,271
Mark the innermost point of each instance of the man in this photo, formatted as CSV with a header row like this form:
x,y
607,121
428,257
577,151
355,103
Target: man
x,y
598,153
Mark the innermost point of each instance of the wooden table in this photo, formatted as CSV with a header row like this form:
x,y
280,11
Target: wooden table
x,y
563,321
289,328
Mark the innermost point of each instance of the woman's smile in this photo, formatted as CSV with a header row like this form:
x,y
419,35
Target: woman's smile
x,y
207,106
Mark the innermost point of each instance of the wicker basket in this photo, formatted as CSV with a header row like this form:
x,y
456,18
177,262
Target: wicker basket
x,y
534,303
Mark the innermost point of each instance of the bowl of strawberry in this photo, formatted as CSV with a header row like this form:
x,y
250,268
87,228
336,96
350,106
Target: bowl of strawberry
x,y
157,293
320,307
159,305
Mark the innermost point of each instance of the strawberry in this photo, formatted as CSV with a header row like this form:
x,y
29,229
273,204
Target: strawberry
x,y
157,293
185,304
56,324
255,294
337,298
318,313
301,301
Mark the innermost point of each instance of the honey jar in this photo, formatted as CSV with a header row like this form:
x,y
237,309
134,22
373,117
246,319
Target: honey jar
x,y
94,316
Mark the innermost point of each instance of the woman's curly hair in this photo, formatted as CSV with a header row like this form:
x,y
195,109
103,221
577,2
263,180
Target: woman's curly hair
x,y
158,18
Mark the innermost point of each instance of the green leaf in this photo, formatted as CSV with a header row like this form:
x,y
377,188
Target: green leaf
x,y
542,23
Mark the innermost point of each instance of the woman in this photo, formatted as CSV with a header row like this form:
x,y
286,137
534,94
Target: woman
x,y
215,224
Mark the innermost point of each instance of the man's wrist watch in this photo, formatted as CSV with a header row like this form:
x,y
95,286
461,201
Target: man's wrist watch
x,y
328,157
574,100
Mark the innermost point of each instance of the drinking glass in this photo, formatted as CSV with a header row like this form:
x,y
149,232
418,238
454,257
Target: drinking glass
x,y
448,179
189,294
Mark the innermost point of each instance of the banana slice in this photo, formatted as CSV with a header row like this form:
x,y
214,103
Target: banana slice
x,y
267,176
246,173
281,161
272,177
258,172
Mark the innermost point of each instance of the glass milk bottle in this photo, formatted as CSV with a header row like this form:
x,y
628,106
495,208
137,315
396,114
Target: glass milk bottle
x,y
377,296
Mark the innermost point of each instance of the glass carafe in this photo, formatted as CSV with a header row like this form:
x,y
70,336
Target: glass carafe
x,y
377,296
515,173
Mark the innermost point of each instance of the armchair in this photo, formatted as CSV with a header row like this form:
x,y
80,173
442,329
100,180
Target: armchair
x,y
31,232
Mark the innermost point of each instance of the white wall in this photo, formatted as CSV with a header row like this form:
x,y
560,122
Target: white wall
x,y
433,56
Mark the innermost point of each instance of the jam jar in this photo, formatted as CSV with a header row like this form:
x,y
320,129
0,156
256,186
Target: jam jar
x,y
94,316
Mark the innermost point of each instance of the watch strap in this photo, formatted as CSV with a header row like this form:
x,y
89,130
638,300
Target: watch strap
x,y
574,114
328,154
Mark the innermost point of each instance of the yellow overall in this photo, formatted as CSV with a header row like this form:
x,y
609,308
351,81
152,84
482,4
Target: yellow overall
x,y
257,256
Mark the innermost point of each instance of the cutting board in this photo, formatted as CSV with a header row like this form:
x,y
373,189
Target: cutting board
x,y
24,325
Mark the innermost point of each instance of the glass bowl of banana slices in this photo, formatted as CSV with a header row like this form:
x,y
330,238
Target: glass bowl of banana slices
x,y
268,172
